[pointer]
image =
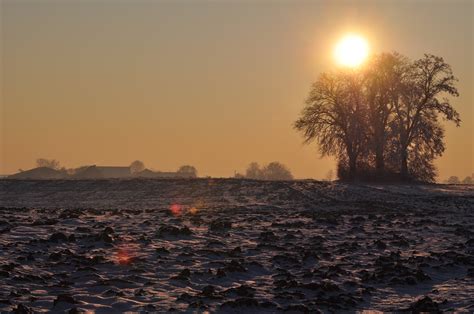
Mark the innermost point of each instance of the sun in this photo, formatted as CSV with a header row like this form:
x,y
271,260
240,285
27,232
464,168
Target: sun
x,y
351,51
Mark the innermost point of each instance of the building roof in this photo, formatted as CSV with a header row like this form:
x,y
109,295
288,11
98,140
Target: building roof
x,y
102,172
40,173
147,173
96,172
114,172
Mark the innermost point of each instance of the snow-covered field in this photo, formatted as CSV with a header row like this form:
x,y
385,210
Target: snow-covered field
x,y
234,246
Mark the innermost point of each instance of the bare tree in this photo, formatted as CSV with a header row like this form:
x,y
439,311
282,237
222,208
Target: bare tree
x,y
48,163
276,171
335,117
253,171
416,112
137,166
384,116
468,180
188,170
453,180
238,175
384,77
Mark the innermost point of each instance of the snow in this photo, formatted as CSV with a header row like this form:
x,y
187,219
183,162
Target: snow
x,y
231,245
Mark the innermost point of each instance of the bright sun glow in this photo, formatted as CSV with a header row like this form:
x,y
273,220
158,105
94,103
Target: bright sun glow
x,y
351,51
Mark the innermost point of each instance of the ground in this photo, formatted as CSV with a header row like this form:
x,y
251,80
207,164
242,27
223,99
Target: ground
x,y
228,245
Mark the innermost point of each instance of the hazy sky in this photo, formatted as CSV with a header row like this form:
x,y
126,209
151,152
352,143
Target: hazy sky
x,y
215,84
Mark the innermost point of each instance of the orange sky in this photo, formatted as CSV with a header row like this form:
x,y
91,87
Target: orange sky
x,y
212,84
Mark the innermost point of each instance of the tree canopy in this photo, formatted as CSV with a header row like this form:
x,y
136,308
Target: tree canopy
x,y
188,170
48,163
137,166
273,171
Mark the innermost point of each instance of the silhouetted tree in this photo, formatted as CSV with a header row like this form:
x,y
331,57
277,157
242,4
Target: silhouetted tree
x,y
137,166
238,175
272,171
48,163
335,117
468,180
188,171
253,171
416,125
276,171
453,180
382,119
384,78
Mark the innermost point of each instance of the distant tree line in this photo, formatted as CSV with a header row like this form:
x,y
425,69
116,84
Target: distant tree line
x,y
455,180
382,121
48,163
272,171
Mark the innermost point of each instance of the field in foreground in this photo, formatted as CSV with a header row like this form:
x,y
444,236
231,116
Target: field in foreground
x,y
234,246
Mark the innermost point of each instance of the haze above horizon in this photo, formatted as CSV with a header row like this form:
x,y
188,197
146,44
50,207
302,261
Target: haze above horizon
x,y
214,85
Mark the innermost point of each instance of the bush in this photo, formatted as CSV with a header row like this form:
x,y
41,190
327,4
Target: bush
x,y
273,171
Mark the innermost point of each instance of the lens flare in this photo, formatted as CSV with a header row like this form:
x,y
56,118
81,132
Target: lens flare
x,y
175,209
123,257
127,252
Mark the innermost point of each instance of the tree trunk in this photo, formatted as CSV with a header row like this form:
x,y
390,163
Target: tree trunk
x,y
379,141
379,161
352,167
404,165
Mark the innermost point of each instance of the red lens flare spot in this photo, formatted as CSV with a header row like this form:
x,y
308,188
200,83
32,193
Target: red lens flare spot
x,y
176,209
123,257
